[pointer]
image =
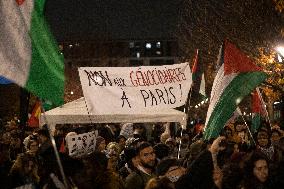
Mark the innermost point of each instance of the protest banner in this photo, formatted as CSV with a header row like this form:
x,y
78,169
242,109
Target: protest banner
x,y
81,144
121,90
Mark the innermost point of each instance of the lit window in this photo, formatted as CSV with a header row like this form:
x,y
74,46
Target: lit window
x,y
70,46
158,44
131,45
138,54
158,52
148,45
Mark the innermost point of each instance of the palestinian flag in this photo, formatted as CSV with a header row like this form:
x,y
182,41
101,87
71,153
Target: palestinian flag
x,y
198,79
29,55
236,78
34,119
258,110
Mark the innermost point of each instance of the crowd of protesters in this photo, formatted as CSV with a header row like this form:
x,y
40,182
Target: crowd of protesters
x,y
144,156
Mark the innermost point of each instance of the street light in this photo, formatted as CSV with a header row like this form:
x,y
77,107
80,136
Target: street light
x,y
280,54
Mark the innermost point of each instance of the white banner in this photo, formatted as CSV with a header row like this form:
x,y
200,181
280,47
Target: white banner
x,y
120,90
82,144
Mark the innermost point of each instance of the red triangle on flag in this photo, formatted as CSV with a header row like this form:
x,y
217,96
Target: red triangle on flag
x,y
235,61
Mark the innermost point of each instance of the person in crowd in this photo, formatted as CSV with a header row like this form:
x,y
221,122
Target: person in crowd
x,y
106,133
164,137
25,171
127,130
275,136
256,172
100,144
184,145
121,140
161,150
171,143
48,162
112,153
96,175
32,146
240,133
194,150
228,133
200,174
231,177
15,145
145,170
140,130
131,161
170,168
264,145
160,183
5,166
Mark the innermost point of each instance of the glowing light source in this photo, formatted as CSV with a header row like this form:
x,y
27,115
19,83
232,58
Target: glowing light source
x,y
148,45
280,50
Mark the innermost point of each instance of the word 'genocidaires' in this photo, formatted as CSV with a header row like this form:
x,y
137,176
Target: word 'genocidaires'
x,y
156,77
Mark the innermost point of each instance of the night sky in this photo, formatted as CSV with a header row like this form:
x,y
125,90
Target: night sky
x,y
112,19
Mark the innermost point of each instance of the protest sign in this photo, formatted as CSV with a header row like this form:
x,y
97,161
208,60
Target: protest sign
x,y
120,90
82,144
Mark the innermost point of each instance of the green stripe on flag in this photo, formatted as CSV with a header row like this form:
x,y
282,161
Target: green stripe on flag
x,y
241,86
255,122
46,77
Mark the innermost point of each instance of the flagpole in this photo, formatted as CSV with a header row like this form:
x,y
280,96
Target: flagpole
x,y
55,149
185,110
248,128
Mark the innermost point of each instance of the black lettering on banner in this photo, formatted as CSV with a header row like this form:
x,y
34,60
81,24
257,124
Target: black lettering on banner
x,y
157,96
167,95
174,98
143,93
153,98
160,95
123,98
119,82
98,78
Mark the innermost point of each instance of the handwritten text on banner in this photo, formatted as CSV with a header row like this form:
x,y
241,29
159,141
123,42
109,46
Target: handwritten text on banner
x,y
120,90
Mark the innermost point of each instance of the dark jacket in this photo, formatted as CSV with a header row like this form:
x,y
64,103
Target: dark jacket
x,y
137,180
199,175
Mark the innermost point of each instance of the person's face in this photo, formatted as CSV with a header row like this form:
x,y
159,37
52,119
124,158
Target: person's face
x,y
262,139
6,138
102,145
34,147
236,148
275,137
260,170
239,128
147,157
121,142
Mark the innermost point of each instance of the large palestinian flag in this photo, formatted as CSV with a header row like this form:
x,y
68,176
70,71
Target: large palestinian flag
x,y
29,55
236,78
